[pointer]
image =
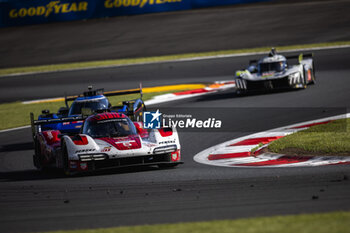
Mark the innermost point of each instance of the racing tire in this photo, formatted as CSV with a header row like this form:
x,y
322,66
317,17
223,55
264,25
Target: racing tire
x,y
167,165
313,81
303,81
241,92
38,158
66,170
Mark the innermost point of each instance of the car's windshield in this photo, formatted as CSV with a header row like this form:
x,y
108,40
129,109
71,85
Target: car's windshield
x,y
93,105
117,127
271,66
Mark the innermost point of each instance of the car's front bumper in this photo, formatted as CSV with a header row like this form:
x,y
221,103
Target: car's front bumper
x,y
247,85
147,160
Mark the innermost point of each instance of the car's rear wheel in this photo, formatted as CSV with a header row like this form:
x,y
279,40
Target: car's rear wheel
x,y
313,81
38,158
66,169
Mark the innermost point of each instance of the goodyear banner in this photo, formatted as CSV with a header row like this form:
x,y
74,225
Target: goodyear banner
x,y
24,12
130,7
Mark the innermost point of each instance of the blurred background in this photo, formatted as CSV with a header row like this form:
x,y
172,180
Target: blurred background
x,y
51,32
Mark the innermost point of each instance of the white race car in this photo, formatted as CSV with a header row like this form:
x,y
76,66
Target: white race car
x,y
276,72
107,140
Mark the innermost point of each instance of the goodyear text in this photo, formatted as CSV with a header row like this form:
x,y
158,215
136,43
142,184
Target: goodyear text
x,y
53,7
135,3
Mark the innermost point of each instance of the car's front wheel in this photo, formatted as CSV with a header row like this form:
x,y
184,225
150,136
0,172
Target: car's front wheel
x,y
313,77
167,165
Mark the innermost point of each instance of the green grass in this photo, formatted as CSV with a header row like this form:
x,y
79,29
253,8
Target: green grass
x,y
252,151
329,139
128,61
337,222
17,114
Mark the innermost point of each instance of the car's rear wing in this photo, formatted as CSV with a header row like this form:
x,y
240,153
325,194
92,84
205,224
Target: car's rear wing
x,y
91,92
36,124
300,57
124,92
131,108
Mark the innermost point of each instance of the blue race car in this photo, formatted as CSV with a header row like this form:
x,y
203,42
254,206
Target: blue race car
x,y
90,102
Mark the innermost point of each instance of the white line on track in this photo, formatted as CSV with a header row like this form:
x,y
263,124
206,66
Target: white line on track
x,y
13,129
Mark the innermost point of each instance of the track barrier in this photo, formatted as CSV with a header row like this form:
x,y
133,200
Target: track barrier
x,y
24,12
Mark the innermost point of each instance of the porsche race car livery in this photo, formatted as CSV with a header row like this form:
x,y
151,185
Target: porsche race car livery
x,y
106,140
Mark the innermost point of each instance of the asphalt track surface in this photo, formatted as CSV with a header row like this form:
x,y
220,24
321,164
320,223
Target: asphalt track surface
x,y
48,85
281,22
31,201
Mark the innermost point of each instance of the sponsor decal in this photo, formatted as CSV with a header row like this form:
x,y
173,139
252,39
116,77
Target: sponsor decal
x,y
53,7
175,156
167,142
135,3
73,164
84,150
83,166
106,149
267,74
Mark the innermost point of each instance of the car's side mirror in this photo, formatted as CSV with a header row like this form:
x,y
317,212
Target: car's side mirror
x,y
63,111
45,111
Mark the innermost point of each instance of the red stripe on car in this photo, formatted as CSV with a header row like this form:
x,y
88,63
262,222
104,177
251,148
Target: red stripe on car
x,y
165,132
80,140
